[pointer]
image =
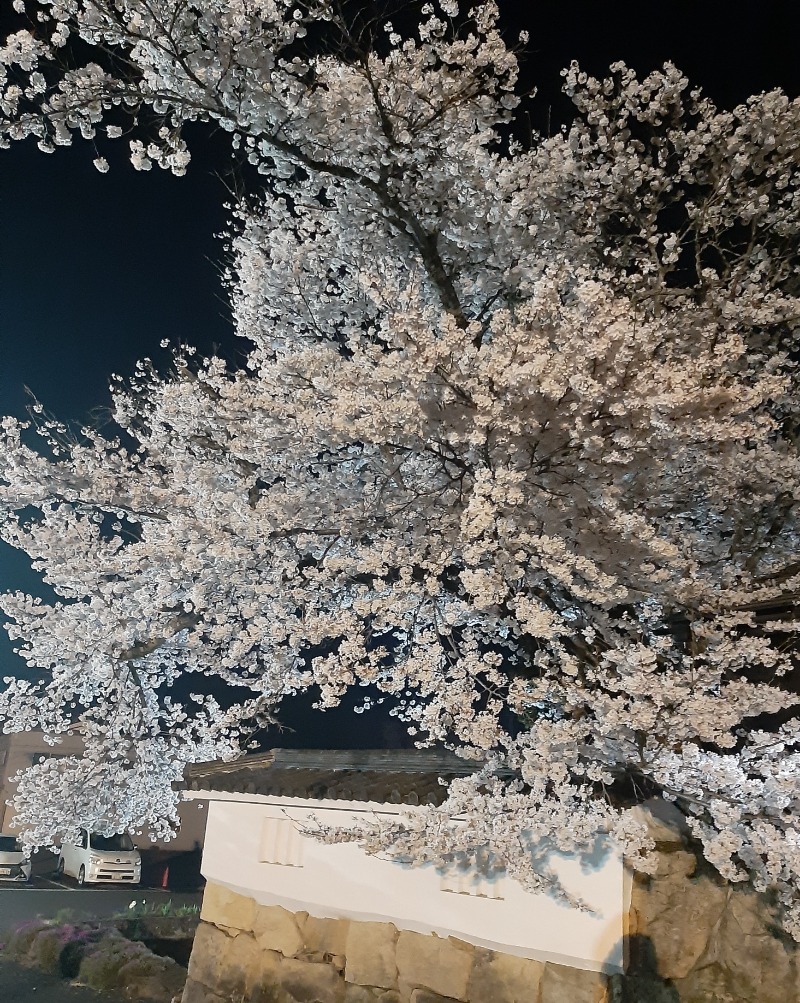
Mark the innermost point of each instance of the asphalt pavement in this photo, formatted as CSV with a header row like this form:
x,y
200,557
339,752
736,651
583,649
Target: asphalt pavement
x,y
30,985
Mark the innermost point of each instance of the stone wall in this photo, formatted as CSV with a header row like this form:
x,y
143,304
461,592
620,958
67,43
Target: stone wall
x,y
691,939
248,953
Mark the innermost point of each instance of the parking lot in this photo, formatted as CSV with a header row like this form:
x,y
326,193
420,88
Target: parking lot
x,y
48,893
52,880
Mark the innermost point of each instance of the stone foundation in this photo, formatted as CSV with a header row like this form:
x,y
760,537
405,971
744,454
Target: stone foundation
x,y
248,953
694,939
691,939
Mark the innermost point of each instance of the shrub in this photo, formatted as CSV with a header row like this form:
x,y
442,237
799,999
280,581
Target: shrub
x,y
46,948
152,977
20,941
76,941
104,959
101,964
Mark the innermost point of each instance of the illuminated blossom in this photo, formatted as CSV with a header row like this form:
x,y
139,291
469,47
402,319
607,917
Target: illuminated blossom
x,y
515,443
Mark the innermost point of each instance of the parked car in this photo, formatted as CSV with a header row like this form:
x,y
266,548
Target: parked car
x,y
14,865
95,858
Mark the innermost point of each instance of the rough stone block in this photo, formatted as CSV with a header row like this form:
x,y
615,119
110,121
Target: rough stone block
x,y
208,951
678,915
326,936
267,992
711,984
560,984
430,962
758,962
360,994
370,953
276,929
223,907
240,968
227,964
504,978
674,865
308,982
196,992
665,823
426,996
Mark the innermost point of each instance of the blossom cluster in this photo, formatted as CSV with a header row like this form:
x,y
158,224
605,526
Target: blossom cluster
x,y
515,443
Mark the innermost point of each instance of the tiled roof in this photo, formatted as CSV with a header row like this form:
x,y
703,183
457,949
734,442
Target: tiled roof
x,y
385,776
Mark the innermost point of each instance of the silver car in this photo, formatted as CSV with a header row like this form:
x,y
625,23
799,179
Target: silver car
x,y
14,865
97,858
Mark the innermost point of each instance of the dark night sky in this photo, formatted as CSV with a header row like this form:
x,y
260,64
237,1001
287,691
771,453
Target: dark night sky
x,y
96,269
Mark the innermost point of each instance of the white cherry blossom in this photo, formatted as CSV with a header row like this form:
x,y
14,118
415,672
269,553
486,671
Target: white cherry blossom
x,y
515,442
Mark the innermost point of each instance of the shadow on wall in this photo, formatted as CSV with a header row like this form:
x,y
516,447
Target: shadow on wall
x,y
641,983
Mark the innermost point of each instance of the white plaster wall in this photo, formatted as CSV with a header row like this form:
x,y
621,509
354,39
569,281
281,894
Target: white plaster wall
x,y
343,881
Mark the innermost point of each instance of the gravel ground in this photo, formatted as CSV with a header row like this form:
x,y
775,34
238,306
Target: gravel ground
x,y
30,985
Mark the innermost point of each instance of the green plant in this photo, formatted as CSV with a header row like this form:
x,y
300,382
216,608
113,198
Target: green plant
x,y
143,908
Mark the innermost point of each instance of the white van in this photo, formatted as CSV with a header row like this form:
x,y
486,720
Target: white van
x,y
14,865
101,858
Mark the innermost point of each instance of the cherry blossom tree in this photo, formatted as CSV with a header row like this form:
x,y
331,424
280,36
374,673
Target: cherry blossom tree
x,y
515,442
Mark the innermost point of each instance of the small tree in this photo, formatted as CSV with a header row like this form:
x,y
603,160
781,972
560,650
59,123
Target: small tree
x,y
516,440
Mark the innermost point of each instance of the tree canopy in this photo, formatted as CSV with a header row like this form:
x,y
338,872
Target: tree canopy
x,y
515,442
